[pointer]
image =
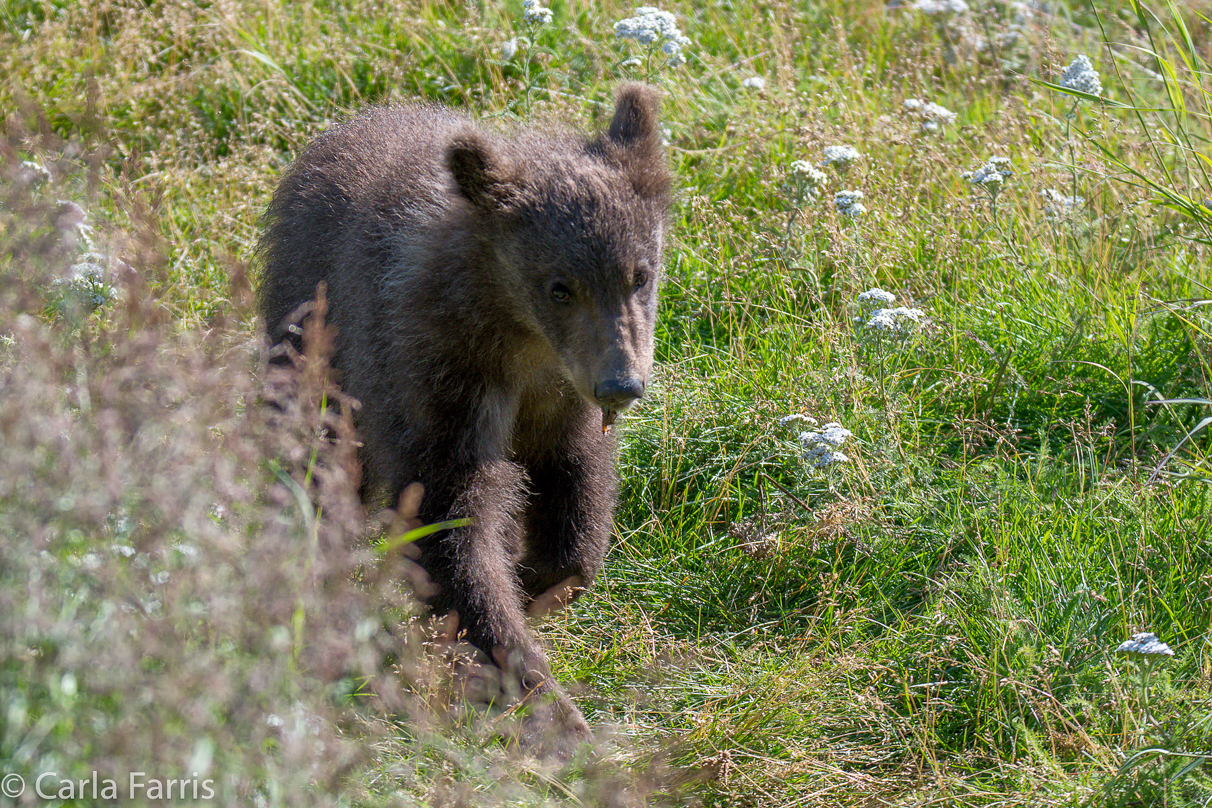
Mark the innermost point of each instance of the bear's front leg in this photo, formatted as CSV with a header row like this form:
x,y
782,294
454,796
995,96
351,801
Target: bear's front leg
x,y
573,487
473,567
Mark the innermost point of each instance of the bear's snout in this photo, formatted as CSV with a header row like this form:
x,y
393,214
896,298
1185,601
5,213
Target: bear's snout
x,y
618,393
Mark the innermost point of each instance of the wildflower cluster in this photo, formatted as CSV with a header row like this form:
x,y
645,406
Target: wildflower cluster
x,y
806,180
1019,16
941,8
1081,76
1146,645
821,444
1058,206
823,448
991,176
85,283
655,29
31,172
849,203
899,322
876,295
753,83
933,116
840,157
878,319
535,14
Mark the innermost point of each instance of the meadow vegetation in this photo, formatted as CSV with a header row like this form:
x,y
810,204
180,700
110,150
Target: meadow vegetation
x,y
876,551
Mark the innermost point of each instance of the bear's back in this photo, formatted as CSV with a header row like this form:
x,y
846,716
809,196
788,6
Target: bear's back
x,y
350,205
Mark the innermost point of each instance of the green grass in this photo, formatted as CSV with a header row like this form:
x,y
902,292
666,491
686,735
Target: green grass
x,y
932,622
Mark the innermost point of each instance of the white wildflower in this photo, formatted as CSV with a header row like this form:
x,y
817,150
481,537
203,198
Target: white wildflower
x,y
1020,13
933,116
535,14
1059,206
1144,644
673,49
1080,75
840,157
991,175
123,550
797,418
652,27
898,322
820,455
835,434
822,448
849,203
878,295
85,281
72,221
753,83
807,180
941,8
806,172
31,172
509,49
881,320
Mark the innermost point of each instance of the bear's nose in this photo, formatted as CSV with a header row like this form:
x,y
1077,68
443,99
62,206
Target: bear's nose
x,y
618,393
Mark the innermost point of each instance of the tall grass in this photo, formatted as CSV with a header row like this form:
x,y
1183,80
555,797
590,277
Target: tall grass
x,y
932,622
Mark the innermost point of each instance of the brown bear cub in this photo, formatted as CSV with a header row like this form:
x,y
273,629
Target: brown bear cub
x,y
494,300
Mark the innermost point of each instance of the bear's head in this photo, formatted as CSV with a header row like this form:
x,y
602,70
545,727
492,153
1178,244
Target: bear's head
x,y
578,228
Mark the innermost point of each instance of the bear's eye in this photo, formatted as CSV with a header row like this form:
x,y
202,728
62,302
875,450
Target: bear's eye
x,y
641,279
560,293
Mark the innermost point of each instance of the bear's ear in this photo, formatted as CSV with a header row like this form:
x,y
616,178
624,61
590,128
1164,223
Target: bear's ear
x,y
635,141
482,175
635,116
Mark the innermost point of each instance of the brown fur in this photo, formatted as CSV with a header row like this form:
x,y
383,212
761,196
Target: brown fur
x,y
494,299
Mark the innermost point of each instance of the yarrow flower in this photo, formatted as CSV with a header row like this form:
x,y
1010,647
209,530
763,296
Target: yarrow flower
x,y
898,322
1020,12
991,175
849,203
753,83
807,180
650,26
32,172
72,222
1080,75
822,448
85,282
941,8
797,418
840,157
535,14
933,116
509,49
1059,206
877,295
1144,644
877,319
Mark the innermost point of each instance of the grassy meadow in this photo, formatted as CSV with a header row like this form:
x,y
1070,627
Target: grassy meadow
x,y
186,586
